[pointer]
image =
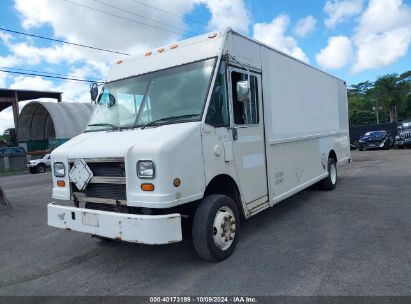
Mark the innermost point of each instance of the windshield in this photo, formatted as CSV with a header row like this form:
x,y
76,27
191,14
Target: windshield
x,y
175,94
376,133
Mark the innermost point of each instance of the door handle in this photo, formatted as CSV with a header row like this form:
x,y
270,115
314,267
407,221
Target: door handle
x,y
235,133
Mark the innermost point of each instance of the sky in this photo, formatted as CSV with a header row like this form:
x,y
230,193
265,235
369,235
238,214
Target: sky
x,y
356,40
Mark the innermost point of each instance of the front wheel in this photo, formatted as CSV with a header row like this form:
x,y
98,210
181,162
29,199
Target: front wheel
x,y
41,168
216,227
330,181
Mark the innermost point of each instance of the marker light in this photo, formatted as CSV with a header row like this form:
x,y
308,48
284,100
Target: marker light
x,y
174,46
61,183
148,53
177,182
161,50
147,187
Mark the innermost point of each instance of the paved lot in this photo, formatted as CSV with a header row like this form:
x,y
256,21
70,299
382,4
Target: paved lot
x,y
355,240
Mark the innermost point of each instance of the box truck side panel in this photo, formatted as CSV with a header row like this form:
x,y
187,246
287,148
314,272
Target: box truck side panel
x,y
305,119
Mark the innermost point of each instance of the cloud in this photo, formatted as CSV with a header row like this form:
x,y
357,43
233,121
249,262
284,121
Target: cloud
x,y
340,10
337,53
383,35
274,34
227,13
305,26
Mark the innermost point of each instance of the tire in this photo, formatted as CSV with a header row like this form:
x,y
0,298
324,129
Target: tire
x,y
33,170
330,182
215,234
41,168
361,149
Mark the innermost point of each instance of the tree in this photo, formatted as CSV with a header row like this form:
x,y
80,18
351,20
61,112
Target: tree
x,y
388,88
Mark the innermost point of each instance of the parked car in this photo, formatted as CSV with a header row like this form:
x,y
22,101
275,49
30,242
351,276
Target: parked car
x,y
39,165
376,140
403,139
12,150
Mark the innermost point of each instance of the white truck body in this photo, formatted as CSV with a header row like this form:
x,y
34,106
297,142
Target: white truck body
x,y
272,146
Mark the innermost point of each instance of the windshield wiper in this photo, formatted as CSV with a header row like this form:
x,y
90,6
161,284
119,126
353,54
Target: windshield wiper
x,y
103,124
154,122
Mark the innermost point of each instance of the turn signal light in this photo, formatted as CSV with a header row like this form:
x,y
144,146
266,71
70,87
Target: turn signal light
x,y
147,187
120,62
61,183
161,50
148,53
213,35
174,46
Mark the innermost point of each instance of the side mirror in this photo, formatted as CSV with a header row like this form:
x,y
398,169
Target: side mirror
x,y
243,91
93,91
106,99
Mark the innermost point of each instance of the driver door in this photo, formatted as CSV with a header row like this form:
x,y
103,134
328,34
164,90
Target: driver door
x,y
249,142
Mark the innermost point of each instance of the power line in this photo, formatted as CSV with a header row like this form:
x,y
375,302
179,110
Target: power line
x,y
124,18
61,41
168,12
141,16
50,76
50,73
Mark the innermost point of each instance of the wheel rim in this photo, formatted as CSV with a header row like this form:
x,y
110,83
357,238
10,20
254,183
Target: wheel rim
x,y
41,169
333,173
224,228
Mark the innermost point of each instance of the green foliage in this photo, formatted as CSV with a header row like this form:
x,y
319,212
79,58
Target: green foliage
x,y
389,98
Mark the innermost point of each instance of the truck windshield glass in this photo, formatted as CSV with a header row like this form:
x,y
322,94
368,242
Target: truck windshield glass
x,y
173,95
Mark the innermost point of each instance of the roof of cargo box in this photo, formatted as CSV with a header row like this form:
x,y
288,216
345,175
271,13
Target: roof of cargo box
x,y
190,50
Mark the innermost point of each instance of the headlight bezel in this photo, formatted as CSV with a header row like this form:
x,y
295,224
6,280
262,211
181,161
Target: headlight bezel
x,y
56,170
148,162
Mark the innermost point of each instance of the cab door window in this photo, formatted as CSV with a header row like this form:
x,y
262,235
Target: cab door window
x,y
245,111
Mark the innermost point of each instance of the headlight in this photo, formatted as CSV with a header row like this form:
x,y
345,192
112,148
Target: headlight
x,y
146,169
59,170
397,138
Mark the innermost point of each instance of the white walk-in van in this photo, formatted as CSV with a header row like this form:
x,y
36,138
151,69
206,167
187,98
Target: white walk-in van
x,y
195,137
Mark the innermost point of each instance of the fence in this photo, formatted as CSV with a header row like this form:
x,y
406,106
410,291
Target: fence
x,y
357,131
12,163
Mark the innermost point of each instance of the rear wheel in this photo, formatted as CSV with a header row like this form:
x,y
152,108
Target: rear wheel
x,y
215,228
330,182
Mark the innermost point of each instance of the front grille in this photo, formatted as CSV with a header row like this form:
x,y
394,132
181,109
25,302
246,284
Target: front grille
x,y
100,189
107,169
111,191
406,135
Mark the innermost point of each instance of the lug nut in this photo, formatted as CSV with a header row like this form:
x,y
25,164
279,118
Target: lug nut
x,y
226,239
231,238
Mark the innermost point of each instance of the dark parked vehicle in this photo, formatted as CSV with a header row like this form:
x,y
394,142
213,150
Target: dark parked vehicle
x,y
376,140
12,150
403,139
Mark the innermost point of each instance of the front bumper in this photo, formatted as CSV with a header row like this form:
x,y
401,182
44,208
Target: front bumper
x,y
137,228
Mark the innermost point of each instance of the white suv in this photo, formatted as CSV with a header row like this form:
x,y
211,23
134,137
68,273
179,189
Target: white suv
x,y
39,165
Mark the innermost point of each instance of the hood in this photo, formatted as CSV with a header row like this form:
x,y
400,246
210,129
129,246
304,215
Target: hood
x,y
106,144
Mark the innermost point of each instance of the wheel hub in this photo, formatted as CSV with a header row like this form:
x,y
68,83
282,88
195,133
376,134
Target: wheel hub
x,y
224,228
